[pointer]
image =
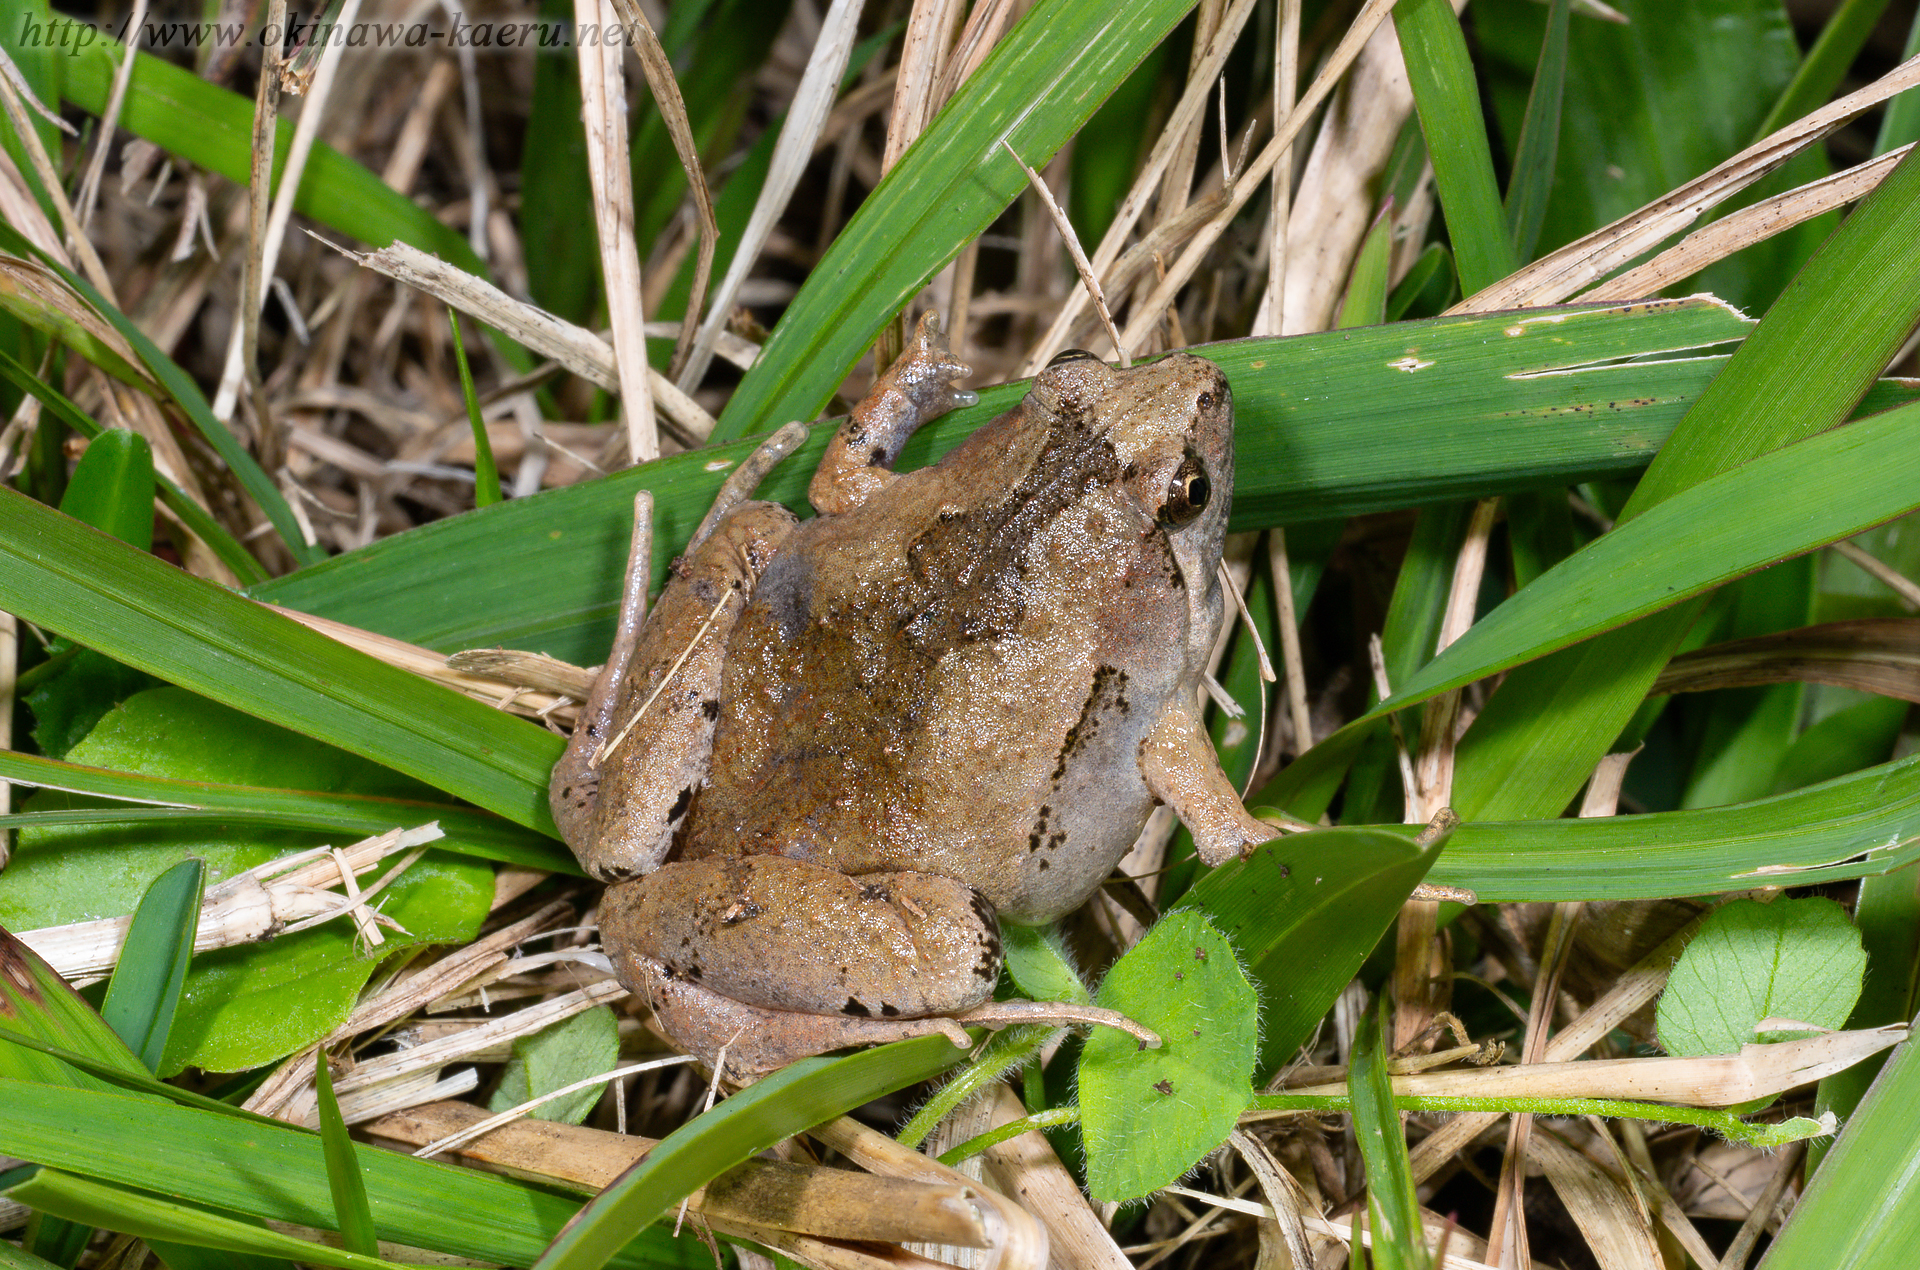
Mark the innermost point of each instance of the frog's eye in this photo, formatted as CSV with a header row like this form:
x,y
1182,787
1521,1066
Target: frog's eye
x,y
1187,493
1071,355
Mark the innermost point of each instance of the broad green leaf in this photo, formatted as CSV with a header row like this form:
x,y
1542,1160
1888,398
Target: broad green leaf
x,y
469,832
59,574
1148,1115
1041,82
352,1218
217,1161
1303,912
246,1005
1857,826
165,1221
1328,425
796,1098
112,488
145,989
1792,959
572,1049
1392,1205
1448,99
1861,1211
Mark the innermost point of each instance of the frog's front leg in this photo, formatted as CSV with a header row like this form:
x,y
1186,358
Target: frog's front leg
x,y
1183,771
915,389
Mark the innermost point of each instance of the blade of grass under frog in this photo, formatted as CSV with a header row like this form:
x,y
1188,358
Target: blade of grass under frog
x,y
214,1160
146,983
59,574
469,831
1327,426
790,1101
195,517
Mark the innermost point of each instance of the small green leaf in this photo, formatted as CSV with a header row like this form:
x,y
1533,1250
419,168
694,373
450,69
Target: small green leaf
x,y
352,1218
1149,1115
1366,301
145,988
112,487
1791,959
572,1049
1037,960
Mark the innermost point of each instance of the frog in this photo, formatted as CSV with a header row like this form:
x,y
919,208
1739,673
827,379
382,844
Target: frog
x,y
838,753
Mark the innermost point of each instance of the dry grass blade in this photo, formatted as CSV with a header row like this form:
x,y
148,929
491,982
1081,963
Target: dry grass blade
x,y
1147,312
1617,1227
1284,1197
110,120
604,110
574,347
1561,274
269,900
805,117
1088,278
1341,1230
1876,654
1193,100
15,96
673,112
1745,227
1899,583
923,58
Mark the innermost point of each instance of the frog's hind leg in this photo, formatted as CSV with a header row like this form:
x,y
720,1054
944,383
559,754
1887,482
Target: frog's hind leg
x,y
915,389
575,786
787,934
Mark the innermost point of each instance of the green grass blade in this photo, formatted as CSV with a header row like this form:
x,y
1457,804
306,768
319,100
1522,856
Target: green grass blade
x,y
217,1161
155,1217
1328,425
1859,825
789,1101
1901,124
1042,81
1366,300
112,488
468,831
195,517
1888,915
145,988
1825,64
352,1218
120,1077
1800,373
1862,1209
1448,99
12,1258
37,1005
1777,506
1392,1206
1539,148
486,474
57,573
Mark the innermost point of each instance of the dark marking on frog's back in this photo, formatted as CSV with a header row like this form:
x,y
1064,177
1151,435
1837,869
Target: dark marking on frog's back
x,y
1107,695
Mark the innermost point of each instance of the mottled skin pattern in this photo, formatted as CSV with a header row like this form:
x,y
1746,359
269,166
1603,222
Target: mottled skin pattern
x,y
952,698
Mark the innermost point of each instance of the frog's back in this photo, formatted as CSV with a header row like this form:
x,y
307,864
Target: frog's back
x,y
956,684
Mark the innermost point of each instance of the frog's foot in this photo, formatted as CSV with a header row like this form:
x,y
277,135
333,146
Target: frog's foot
x,y
757,1040
915,389
1180,766
999,1014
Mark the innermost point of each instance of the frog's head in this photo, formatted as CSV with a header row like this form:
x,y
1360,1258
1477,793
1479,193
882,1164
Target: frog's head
x,y
1170,425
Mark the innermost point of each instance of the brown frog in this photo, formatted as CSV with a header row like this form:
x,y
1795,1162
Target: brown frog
x,y
841,751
